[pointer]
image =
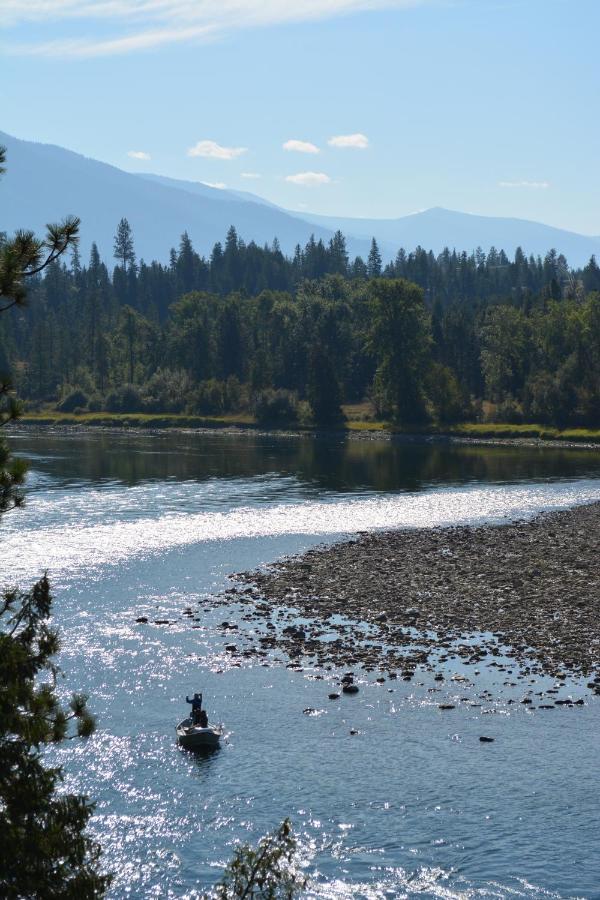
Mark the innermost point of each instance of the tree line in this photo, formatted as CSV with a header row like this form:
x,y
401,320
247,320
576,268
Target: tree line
x,y
426,337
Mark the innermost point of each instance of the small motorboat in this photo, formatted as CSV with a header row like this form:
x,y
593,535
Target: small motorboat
x,y
195,737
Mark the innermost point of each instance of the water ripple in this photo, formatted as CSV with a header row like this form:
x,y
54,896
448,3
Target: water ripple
x,y
80,545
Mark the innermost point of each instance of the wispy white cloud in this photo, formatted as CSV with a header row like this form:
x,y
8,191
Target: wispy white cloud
x,y
138,154
356,141
84,48
301,146
212,150
146,24
250,175
536,185
219,185
309,179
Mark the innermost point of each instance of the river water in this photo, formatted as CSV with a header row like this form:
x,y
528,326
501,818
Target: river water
x,y
413,804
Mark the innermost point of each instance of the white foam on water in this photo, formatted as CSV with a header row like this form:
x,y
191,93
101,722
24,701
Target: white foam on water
x,y
72,547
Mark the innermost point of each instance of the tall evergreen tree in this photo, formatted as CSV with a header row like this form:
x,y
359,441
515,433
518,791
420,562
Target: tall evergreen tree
x,y
123,245
338,254
374,260
185,265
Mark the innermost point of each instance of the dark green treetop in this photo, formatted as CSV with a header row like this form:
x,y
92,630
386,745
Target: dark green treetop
x,y
401,341
374,260
123,246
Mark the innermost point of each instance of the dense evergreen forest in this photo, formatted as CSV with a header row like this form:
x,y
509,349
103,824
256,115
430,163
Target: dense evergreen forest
x,y
425,338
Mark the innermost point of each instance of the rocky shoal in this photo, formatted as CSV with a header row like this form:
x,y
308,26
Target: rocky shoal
x,y
393,601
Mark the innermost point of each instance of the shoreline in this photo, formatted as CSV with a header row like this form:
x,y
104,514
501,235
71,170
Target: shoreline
x,y
450,438
528,590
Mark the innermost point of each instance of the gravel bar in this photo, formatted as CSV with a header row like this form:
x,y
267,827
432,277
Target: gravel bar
x,y
532,585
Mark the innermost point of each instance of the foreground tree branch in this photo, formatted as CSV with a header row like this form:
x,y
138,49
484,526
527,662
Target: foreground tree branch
x,y
267,872
45,852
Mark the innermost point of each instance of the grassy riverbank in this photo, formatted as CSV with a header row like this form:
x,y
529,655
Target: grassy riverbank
x,y
474,430
137,420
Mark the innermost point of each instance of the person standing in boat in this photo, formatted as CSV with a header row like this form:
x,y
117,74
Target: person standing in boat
x,y
198,713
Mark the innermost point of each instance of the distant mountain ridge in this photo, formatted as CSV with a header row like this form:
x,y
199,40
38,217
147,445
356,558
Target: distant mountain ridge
x,y
433,227
44,183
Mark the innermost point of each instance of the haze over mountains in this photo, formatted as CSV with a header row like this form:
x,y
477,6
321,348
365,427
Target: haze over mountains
x,y
44,183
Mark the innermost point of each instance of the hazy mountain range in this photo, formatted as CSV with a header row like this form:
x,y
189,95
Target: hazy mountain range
x,y
43,183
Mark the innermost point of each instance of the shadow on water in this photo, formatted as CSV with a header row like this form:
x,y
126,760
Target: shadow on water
x,y
203,758
324,463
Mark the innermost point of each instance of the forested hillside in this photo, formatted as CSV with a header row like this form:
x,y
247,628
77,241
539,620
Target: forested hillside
x,y
427,338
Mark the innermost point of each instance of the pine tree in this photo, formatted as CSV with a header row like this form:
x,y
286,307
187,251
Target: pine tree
x,y
297,263
185,265
216,268
123,245
23,257
75,262
45,851
232,262
338,255
374,260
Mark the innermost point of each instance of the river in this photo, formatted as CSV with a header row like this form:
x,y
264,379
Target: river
x,y
132,525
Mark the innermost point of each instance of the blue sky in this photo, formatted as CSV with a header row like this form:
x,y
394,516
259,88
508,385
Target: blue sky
x,y
487,106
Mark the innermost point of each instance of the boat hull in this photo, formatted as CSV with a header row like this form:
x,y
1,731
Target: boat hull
x,y
192,737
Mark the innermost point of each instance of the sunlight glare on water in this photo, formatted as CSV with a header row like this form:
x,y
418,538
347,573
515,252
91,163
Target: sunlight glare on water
x,y
81,545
